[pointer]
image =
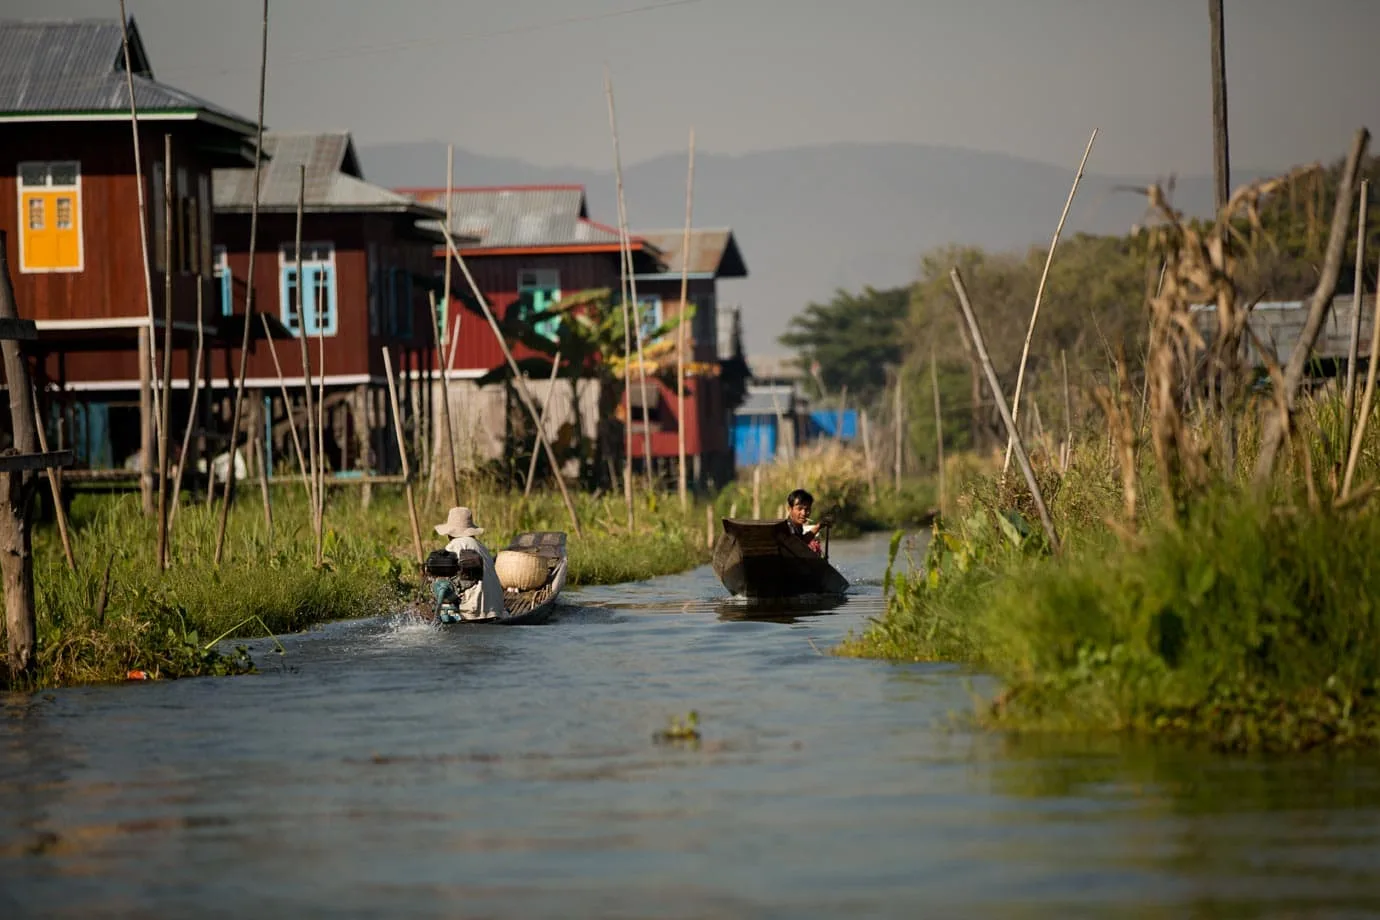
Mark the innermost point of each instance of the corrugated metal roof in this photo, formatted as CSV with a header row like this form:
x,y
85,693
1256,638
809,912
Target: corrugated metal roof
x,y
77,66
518,216
712,252
768,400
333,178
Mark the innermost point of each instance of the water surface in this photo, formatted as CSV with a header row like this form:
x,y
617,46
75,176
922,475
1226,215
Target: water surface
x,y
388,769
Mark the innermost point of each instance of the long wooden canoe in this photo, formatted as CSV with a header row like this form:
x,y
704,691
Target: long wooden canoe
x,y
763,559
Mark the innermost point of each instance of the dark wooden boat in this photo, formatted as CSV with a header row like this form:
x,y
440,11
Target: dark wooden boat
x,y
522,607
763,559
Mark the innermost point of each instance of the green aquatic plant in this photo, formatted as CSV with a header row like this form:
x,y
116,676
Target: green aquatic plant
x,y
677,730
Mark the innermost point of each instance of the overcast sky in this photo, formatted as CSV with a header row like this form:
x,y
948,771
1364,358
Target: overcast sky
x,y
1026,77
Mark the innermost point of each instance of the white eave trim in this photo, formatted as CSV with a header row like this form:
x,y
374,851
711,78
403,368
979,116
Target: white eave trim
x,y
114,322
675,276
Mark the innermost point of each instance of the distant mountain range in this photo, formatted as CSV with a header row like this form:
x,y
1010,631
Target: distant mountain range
x,y
813,219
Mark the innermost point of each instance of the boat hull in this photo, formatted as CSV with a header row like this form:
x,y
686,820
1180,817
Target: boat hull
x,y
764,560
530,608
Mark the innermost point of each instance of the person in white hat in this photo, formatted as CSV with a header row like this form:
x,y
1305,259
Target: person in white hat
x,y
484,601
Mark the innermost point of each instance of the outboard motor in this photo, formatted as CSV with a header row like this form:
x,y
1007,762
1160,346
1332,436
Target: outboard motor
x,y
452,574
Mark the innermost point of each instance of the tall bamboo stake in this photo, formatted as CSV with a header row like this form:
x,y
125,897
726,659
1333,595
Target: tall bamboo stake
x,y
1353,354
868,459
291,416
445,400
261,458
628,311
1068,413
938,422
445,334
320,427
900,427
1022,459
680,330
165,380
519,385
196,396
1040,293
142,198
541,426
1221,160
42,431
757,493
302,346
248,298
407,471
1366,401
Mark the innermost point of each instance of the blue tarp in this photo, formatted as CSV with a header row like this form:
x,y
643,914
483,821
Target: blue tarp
x,y
754,439
824,423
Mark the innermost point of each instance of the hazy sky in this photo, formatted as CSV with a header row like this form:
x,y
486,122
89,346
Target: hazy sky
x,y
1026,77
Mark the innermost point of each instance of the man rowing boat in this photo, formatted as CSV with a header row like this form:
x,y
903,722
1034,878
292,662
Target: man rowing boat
x,y
798,505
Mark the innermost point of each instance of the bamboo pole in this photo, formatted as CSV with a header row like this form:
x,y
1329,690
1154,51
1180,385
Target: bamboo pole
x,y
1068,413
938,423
900,426
302,346
139,188
1277,423
407,472
626,242
445,334
1353,355
258,439
320,425
1354,453
146,423
248,298
513,367
1022,459
446,426
165,379
627,315
757,493
541,427
291,415
16,539
1040,293
63,533
681,484
1221,160
709,526
196,397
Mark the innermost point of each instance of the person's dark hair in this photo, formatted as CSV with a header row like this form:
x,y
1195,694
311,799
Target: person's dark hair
x,y
800,497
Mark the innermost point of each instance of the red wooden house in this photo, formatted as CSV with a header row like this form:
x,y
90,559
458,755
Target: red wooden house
x,y
367,267
69,206
714,254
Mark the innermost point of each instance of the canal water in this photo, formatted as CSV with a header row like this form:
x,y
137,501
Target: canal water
x,y
383,769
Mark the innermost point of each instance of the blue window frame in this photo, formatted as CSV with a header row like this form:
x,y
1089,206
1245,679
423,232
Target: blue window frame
x,y
318,270
542,286
400,304
649,314
225,290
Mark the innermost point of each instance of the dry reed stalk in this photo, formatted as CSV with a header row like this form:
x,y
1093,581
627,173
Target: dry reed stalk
x,y
165,378
681,484
1367,402
141,196
248,299
1022,459
517,377
541,426
1040,293
1277,425
1119,421
407,472
1353,347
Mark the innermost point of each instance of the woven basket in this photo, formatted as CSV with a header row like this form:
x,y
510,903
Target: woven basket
x,y
522,571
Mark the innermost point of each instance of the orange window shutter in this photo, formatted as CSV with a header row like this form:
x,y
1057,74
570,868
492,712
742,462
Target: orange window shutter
x,y
67,230
39,252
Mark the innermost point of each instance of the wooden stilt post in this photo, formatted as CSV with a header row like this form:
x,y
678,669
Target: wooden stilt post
x,y
291,413
359,410
407,473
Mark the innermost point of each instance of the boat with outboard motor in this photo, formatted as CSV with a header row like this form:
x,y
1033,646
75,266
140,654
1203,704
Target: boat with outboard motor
x,y
764,559
531,569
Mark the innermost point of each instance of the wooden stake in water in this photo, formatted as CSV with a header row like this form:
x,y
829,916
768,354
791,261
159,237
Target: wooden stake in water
x,y
1003,409
628,314
709,526
307,397
248,299
1040,293
407,472
681,484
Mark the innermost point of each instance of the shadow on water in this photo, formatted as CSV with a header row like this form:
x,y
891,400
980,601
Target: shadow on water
x,y
393,768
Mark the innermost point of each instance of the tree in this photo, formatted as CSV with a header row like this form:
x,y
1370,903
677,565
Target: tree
x,y
853,338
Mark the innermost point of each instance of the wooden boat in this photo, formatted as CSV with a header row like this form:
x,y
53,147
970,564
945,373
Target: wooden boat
x,y
763,559
523,605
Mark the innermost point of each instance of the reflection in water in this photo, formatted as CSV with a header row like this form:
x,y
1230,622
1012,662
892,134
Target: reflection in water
x,y
393,768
